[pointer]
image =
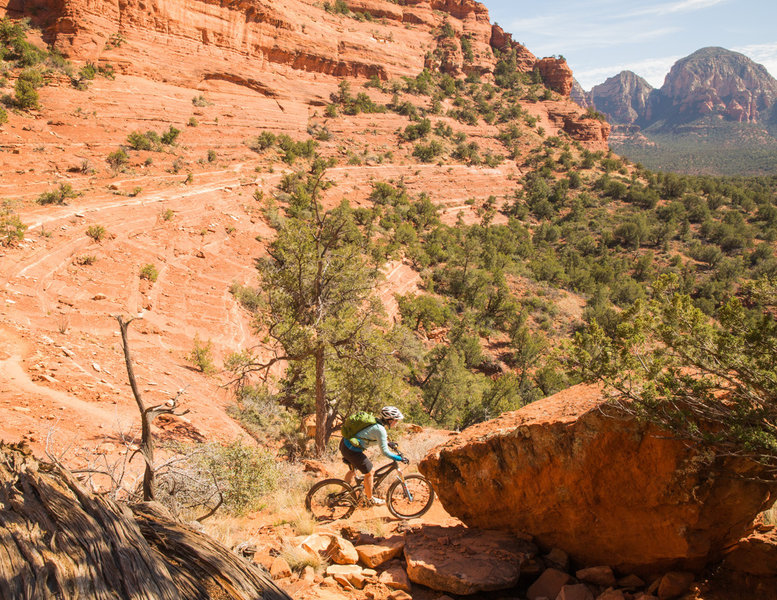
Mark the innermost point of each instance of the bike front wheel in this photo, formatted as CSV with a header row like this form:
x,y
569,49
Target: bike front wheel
x,y
410,497
330,500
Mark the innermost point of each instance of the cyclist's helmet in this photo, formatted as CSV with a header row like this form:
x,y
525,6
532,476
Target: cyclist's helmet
x,y
388,413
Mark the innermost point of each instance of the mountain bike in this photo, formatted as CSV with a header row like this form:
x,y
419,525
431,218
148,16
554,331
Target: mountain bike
x,y
407,497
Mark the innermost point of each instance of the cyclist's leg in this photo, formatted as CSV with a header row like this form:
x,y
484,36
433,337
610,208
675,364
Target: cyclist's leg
x,y
354,460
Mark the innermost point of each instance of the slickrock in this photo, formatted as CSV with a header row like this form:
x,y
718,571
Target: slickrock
x,y
596,483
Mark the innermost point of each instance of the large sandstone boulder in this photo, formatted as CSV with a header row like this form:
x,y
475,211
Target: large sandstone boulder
x,y
608,490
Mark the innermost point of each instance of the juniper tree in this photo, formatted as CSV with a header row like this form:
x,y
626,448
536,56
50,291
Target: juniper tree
x,y
711,382
319,309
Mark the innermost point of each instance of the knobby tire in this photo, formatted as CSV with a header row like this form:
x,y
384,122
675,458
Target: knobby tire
x,y
330,500
402,506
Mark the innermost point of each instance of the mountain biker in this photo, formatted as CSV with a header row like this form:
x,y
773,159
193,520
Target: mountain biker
x,y
369,436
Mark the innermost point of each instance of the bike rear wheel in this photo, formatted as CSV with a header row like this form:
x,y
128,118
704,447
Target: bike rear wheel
x,y
410,498
330,499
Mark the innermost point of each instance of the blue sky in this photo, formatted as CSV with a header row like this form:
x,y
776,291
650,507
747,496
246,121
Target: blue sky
x,y
600,38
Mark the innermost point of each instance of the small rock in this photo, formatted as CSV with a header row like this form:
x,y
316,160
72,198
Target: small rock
x,y
347,575
99,297
611,594
674,584
597,575
316,543
557,558
309,574
341,551
395,577
548,585
374,555
579,591
280,569
67,352
400,595
630,582
96,367
200,254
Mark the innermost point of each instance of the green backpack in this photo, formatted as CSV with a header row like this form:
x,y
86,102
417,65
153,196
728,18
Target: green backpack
x,y
354,424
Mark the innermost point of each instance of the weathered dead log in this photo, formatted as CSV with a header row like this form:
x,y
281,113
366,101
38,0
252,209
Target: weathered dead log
x,y
59,542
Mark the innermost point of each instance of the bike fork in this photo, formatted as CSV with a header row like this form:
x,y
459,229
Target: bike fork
x,y
408,493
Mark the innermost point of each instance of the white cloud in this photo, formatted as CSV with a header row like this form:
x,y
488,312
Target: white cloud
x,y
765,54
675,7
653,70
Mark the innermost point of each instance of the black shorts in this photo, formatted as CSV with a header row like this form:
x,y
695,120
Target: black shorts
x,y
355,459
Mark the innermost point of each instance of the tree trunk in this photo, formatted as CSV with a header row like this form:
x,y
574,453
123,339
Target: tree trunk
x,y
60,542
321,423
146,439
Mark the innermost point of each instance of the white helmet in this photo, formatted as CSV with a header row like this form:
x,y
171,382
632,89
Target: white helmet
x,y
388,413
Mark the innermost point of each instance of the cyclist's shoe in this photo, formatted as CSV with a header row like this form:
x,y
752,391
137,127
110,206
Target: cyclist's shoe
x,y
375,501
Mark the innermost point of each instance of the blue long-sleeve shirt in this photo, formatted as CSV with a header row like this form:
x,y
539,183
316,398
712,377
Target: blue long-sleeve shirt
x,y
376,434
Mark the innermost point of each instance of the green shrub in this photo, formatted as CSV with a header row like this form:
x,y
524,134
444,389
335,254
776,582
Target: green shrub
x,y
58,196
11,227
3,115
202,356
245,474
249,297
85,260
427,152
338,8
149,272
201,101
26,96
118,159
137,140
212,156
262,142
88,71
96,232
169,136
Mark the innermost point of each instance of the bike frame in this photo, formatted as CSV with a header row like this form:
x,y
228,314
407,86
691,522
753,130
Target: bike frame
x,y
380,475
